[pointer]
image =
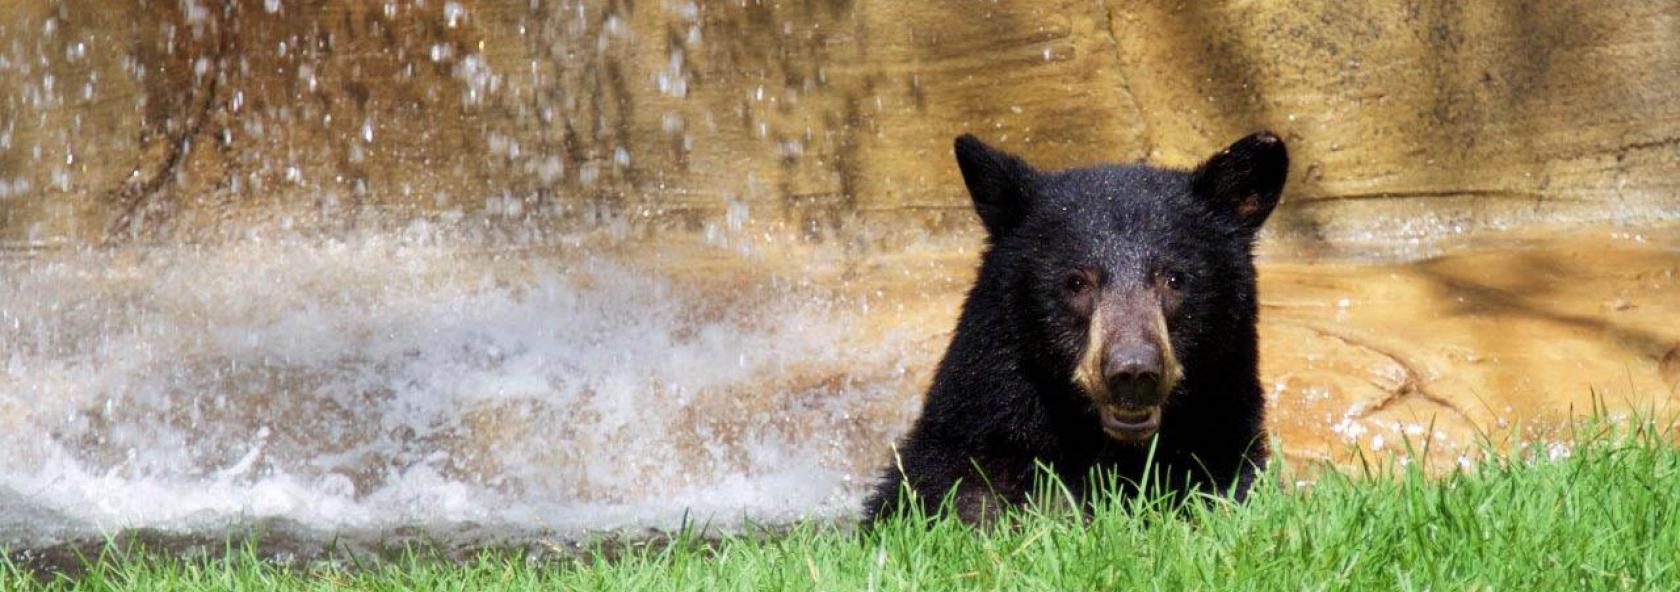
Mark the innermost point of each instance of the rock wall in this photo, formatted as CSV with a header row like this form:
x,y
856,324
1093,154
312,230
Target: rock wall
x,y
821,120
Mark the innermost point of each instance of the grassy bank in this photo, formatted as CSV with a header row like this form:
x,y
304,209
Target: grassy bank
x,y
1601,516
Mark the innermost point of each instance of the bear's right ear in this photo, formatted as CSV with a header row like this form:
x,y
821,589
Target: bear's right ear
x,y
995,180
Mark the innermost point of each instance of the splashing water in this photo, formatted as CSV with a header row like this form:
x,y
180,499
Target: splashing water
x,y
377,384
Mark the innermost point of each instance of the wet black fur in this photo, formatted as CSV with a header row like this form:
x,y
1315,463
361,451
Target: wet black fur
x,y
1003,400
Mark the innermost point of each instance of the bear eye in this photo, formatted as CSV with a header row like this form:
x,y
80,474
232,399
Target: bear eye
x,y
1174,280
1076,283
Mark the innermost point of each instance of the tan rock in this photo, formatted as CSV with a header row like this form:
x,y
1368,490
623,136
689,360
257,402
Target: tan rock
x,y
816,120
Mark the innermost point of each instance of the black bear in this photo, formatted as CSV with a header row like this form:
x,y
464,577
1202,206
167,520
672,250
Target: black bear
x,y
1113,319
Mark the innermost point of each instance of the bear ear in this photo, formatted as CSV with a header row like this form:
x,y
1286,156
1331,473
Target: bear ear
x,y
995,180
1246,179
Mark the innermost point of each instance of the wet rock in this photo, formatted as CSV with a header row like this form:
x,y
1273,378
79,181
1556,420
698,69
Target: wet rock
x,y
828,121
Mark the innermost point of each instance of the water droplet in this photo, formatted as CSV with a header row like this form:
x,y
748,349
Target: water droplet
x,y
550,169
452,13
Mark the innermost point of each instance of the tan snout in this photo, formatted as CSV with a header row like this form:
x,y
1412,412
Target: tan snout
x,y
1128,367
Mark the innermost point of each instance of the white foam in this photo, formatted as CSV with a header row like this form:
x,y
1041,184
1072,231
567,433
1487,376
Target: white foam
x,y
378,384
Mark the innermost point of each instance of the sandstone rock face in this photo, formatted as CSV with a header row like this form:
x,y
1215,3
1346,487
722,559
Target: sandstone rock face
x,y
821,121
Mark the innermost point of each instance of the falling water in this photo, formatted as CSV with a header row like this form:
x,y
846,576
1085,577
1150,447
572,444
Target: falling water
x,y
280,302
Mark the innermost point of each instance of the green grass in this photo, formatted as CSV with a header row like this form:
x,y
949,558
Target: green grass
x,y
1602,517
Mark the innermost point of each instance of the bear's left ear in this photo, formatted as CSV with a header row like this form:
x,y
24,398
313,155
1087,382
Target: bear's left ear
x,y
1244,180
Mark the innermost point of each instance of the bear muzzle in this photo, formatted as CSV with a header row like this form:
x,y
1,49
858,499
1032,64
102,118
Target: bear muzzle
x,y
1131,409
1128,369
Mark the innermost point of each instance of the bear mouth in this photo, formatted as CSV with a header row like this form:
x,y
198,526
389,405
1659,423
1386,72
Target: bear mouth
x,y
1130,424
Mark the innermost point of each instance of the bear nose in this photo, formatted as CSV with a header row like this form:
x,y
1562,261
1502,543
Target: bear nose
x,y
1134,374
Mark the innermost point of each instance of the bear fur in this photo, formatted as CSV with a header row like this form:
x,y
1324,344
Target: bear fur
x,y
1113,315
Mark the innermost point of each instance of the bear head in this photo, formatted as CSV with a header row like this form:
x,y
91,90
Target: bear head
x,y
1125,285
